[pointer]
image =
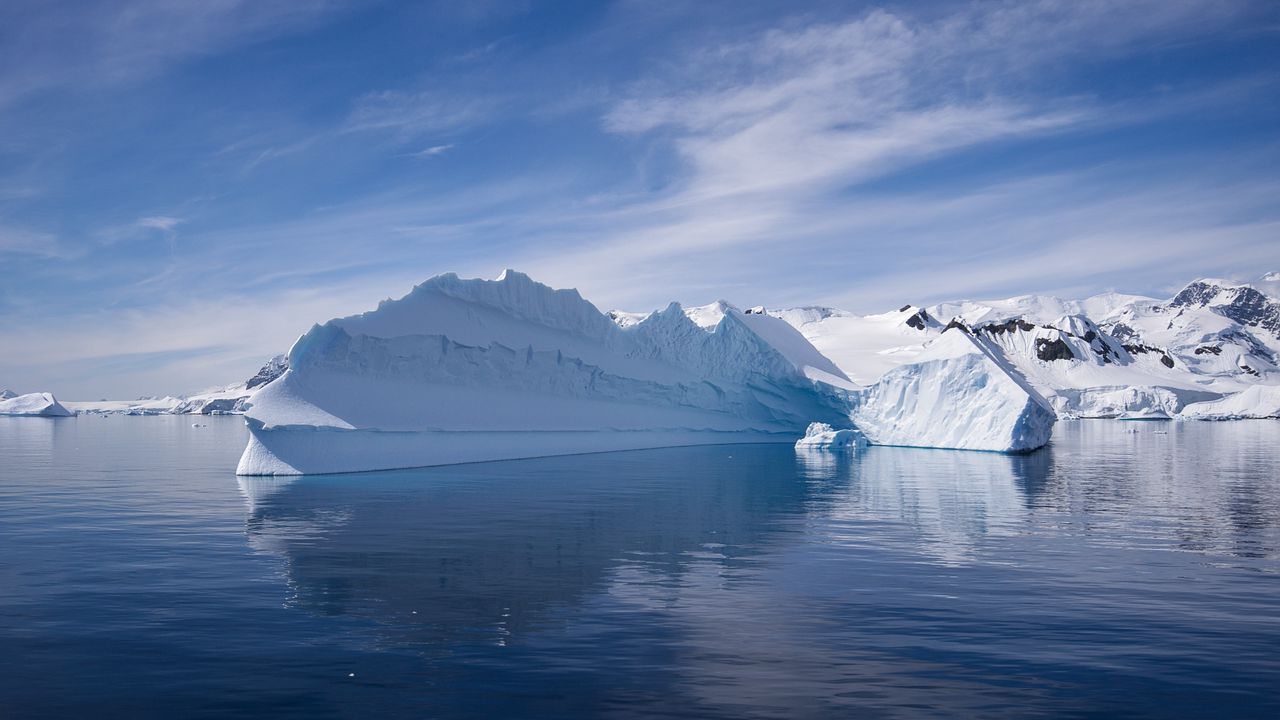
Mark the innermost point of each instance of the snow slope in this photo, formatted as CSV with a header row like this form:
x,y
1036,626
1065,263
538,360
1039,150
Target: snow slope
x,y
1111,355
955,394
40,404
468,370
1257,402
864,348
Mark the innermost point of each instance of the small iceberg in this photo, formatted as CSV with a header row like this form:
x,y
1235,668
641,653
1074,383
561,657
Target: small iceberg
x,y
821,436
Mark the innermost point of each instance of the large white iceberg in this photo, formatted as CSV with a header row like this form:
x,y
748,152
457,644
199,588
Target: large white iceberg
x,y
41,404
470,370
958,393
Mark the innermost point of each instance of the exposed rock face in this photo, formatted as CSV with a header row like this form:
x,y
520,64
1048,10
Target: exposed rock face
x,y
274,368
1243,304
1050,350
918,321
1139,349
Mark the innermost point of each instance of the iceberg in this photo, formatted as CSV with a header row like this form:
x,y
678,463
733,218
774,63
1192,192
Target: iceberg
x,y
41,404
958,393
821,436
473,370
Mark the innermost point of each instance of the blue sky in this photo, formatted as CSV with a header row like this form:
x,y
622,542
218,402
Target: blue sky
x,y
184,190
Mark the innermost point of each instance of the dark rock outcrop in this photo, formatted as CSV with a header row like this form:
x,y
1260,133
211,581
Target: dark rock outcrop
x,y
1050,350
274,368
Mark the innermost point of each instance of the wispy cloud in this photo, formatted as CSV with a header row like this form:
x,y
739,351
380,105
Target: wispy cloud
x,y
111,43
773,135
163,223
33,243
433,151
410,114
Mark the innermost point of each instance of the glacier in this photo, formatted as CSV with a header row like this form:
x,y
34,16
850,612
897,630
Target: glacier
x,y
957,393
465,370
39,404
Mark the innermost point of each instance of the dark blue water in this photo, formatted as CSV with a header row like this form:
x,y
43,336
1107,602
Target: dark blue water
x,y
1115,573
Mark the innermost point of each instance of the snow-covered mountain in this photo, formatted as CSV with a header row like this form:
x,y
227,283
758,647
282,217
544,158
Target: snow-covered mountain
x,y
1216,330
1110,355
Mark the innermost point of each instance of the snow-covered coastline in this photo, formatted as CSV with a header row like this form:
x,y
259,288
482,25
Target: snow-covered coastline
x,y
472,370
231,399
1212,351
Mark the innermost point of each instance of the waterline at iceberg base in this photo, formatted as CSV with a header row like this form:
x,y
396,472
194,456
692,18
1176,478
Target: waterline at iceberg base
x,y
472,370
310,451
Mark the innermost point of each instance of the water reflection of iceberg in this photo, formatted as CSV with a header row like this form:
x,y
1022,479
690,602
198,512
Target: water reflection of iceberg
x,y
486,552
949,502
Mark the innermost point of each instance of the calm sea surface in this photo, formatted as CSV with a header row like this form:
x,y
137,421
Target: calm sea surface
x,y
1131,569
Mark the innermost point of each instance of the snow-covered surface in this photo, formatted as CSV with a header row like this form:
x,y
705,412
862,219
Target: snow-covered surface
x,y
956,394
1111,355
1257,402
1038,309
823,437
41,404
6,393
228,400
864,348
468,370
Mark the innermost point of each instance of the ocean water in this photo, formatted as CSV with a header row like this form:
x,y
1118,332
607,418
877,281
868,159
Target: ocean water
x,y
1130,569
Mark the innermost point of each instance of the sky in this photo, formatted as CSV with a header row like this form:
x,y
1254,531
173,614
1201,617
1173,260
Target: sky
x,y
185,188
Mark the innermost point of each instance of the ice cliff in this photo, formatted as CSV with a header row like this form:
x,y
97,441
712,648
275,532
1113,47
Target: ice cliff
x,y
957,393
468,370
